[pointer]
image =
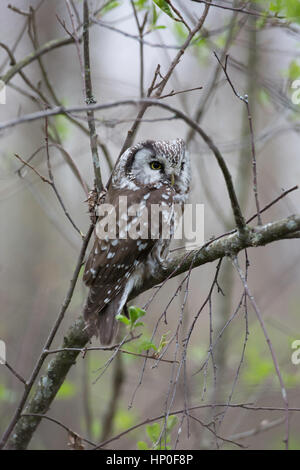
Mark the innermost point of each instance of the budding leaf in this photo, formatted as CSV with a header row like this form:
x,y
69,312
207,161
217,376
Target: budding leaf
x,y
163,5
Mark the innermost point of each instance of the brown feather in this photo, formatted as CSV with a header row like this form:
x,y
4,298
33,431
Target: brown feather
x,y
106,276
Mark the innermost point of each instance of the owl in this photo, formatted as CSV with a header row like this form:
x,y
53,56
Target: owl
x,y
149,175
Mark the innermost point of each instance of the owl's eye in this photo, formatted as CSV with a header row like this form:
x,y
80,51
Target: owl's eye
x,y
155,165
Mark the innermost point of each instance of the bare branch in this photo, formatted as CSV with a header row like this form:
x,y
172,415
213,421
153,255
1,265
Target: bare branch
x,y
15,373
274,357
245,100
173,93
58,377
90,98
146,102
77,336
45,180
239,10
59,423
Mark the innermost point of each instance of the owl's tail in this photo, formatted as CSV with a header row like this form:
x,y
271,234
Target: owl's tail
x,y
102,324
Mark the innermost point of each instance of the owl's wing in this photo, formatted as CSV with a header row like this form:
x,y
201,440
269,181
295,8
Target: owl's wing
x,y
112,261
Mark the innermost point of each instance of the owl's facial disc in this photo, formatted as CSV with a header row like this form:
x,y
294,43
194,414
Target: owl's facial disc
x,y
156,163
147,167
150,167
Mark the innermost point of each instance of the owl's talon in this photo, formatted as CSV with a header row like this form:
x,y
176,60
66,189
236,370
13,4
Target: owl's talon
x,y
164,265
94,200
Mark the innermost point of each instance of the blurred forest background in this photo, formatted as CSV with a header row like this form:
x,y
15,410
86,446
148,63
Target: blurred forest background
x,y
39,246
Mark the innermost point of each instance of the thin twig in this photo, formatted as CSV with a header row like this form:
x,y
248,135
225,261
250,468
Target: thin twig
x,y
173,93
53,185
244,99
131,133
274,358
157,418
118,377
263,426
180,17
239,10
15,373
45,180
62,425
140,28
89,98
106,348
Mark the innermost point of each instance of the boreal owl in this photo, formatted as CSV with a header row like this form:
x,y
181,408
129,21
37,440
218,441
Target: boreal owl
x,y
149,174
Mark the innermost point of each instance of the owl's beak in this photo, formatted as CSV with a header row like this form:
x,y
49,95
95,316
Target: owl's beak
x,y
172,179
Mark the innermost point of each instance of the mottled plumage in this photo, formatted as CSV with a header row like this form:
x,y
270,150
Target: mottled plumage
x,y
149,173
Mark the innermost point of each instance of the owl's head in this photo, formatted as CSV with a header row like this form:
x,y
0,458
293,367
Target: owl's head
x,y
156,163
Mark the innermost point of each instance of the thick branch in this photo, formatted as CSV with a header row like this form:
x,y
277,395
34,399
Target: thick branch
x,y
49,46
77,337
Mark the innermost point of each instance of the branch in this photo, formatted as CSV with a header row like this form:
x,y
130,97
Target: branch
x,y
77,337
245,99
146,102
161,85
62,425
49,46
15,373
89,98
239,10
274,358
140,28
263,426
55,380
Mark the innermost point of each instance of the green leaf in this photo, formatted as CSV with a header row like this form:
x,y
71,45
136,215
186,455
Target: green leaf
x,y
258,368
294,70
180,31
146,345
6,394
171,422
154,16
163,342
142,445
96,429
139,323
67,390
123,319
292,10
276,6
263,96
109,6
80,275
158,27
261,22
197,353
62,127
135,313
221,40
291,380
163,5
141,4
153,431
294,443
124,419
